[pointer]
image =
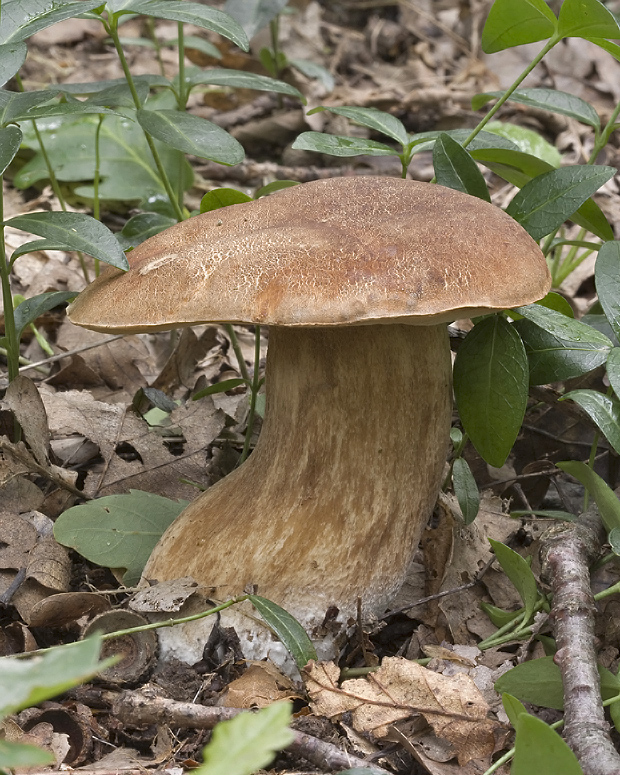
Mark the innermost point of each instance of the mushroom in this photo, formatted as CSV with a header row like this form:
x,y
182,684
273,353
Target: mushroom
x,y
356,278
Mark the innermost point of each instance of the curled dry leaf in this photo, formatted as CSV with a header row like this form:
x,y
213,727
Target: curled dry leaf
x,y
400,689
259,686
164,597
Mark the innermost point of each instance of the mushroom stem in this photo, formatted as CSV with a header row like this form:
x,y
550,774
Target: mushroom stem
x,y
331,504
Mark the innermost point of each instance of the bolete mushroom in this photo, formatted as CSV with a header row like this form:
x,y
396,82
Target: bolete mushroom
x,y
356,278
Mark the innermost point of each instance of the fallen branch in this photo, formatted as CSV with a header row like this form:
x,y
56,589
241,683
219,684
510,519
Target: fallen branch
x,y
567,552
146,707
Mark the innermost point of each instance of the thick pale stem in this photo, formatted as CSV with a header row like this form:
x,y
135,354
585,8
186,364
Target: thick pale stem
x,y
331,504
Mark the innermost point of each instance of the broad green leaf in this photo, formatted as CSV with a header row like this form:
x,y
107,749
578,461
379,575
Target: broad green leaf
x,y
424,141
538,748
455,168
12,57
26,682
63,109
118,531
543,204
287,628
613,370
604,411
188,13
607,279
10,140
614,712
519,168
527,140
513,707
192,134
222,197
558,303
13,104
241,80
254,15
553,359
337,145
128,172
466,490
606,500
96,87
119,96
498,616
142,226
14,755
587,19
30,309
219,387
22,18
379,120
520,574
76,231
538,681
561,325
606,45
248,742
275,185
491,386
547,99
515,22
199,44
313,70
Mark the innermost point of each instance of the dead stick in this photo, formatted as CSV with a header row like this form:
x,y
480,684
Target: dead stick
x,y
146,707
567,552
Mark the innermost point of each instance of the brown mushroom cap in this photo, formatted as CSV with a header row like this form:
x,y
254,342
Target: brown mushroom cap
x,y
341,251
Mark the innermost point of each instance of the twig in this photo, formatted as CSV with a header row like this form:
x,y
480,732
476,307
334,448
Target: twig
x,y
566,553
146,707
60,356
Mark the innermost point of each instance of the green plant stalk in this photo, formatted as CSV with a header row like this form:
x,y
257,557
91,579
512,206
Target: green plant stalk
x,y
183,94
274,34
254,388
555,39
12,342
243,369
111,29
96,178
150,29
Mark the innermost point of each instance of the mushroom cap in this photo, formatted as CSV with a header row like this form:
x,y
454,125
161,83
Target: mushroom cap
x,y
342,251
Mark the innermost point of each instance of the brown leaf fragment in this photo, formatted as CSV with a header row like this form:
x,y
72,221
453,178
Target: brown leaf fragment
x,y
259,686
49,564
23,399
451,705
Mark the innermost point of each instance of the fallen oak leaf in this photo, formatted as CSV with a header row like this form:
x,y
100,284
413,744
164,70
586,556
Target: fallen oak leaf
x,y
452,705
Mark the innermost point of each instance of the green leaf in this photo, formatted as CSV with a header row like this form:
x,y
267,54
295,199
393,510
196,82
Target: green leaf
x,y
553,359
64,109
547,99
14,755
14,104
30,309
520,574
538,681
561,325
515,22
96,87
76,231
192,134
119,95
605,498
12,57
613,370
313,70
142,226
127,173
188,13
587,19
548,200
491,387
219,387
26,682
378,120
275,185
287,628
614,712
607,279
118,531
254,15
527,140
337,145
513,707
604,411
248,742
222,197
498,616
241,80
10,140
466,490
455,168
424,141
22,18
538,748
